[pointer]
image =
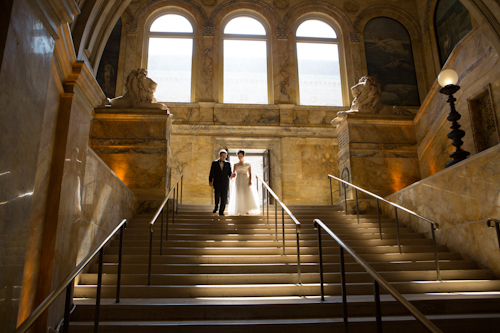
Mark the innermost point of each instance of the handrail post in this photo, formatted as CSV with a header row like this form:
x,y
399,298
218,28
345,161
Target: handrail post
x,y
168,213
67,306
297,231
182,179
378,308
331,191
438,271
177,198
119,275
283,226
161,233
99,289
344,289
276,218
379,223
357,205
173,210
345,198
150,254
267,205
397,227
320,263
262,198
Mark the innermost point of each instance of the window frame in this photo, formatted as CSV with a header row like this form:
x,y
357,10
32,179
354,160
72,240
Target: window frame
x,y
181,35
266,38
340,45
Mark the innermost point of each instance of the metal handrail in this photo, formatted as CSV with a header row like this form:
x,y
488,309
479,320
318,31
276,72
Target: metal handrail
x,y
284,209
69,282
434,226
497,222
377,280
175,191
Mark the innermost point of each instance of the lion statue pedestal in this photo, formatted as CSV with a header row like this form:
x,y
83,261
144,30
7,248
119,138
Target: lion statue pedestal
x,y
131,134
377,148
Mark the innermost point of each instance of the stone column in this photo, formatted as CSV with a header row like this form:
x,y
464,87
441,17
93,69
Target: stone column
x,y
377,153
135,144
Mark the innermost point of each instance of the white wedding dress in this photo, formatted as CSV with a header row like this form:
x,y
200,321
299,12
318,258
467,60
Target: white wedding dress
x,y
243,199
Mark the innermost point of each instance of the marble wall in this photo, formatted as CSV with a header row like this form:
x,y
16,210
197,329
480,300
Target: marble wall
x,y
105,202
477,64
300,159
24,80
460,198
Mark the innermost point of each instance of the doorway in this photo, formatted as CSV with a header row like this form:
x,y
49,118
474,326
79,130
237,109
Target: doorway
x,y
259,162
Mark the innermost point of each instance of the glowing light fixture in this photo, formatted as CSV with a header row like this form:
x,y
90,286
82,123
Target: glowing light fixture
x,y
447,79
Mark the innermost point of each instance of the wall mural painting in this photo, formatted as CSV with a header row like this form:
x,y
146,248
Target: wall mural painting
x,y
108,67
451,22
389,58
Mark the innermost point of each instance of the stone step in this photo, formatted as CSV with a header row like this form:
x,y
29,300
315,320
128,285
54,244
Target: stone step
x,y
447,323
266,278
282,290
272,308
219,268
289,242
234,247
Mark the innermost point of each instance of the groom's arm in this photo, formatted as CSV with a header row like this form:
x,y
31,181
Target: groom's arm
x,y
212,174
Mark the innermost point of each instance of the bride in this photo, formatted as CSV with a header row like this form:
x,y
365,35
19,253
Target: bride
x,y
243,198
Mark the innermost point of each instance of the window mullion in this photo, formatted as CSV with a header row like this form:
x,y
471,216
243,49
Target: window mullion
x,y
170,35
316,40
245,37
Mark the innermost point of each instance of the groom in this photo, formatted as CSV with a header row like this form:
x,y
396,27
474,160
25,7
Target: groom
x,y
219,179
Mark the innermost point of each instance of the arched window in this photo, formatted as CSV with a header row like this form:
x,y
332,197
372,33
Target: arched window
x,y
170,57
245,72
451,22
320,80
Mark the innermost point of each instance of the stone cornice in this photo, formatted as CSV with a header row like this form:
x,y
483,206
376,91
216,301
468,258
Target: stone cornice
x,y
54,13
254,131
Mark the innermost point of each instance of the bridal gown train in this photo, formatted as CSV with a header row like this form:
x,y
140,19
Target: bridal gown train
x,y
243,199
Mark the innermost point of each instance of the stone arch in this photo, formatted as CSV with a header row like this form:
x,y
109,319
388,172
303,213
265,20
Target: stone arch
x,y
402,17
323,8
262,8
151,6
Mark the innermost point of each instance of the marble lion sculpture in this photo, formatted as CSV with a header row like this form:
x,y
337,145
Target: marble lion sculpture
x,y
367,94
139,94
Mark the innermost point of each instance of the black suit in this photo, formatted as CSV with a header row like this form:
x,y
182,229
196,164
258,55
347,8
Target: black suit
x,y
220,180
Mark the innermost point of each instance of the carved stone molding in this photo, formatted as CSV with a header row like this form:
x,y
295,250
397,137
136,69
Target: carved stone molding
x,y
282,33
132,29
207,70
53,13
351,6
281,4
209,3
208,30
354,37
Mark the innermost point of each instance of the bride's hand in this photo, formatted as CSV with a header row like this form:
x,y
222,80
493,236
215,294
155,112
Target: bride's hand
x,y
249,183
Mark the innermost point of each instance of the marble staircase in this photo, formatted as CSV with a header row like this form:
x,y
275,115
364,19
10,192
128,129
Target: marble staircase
x,y
229,274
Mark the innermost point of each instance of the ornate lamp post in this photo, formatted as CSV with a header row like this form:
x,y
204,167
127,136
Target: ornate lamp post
x,y
448,79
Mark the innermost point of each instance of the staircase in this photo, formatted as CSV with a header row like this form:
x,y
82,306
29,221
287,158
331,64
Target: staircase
x,y
229,275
